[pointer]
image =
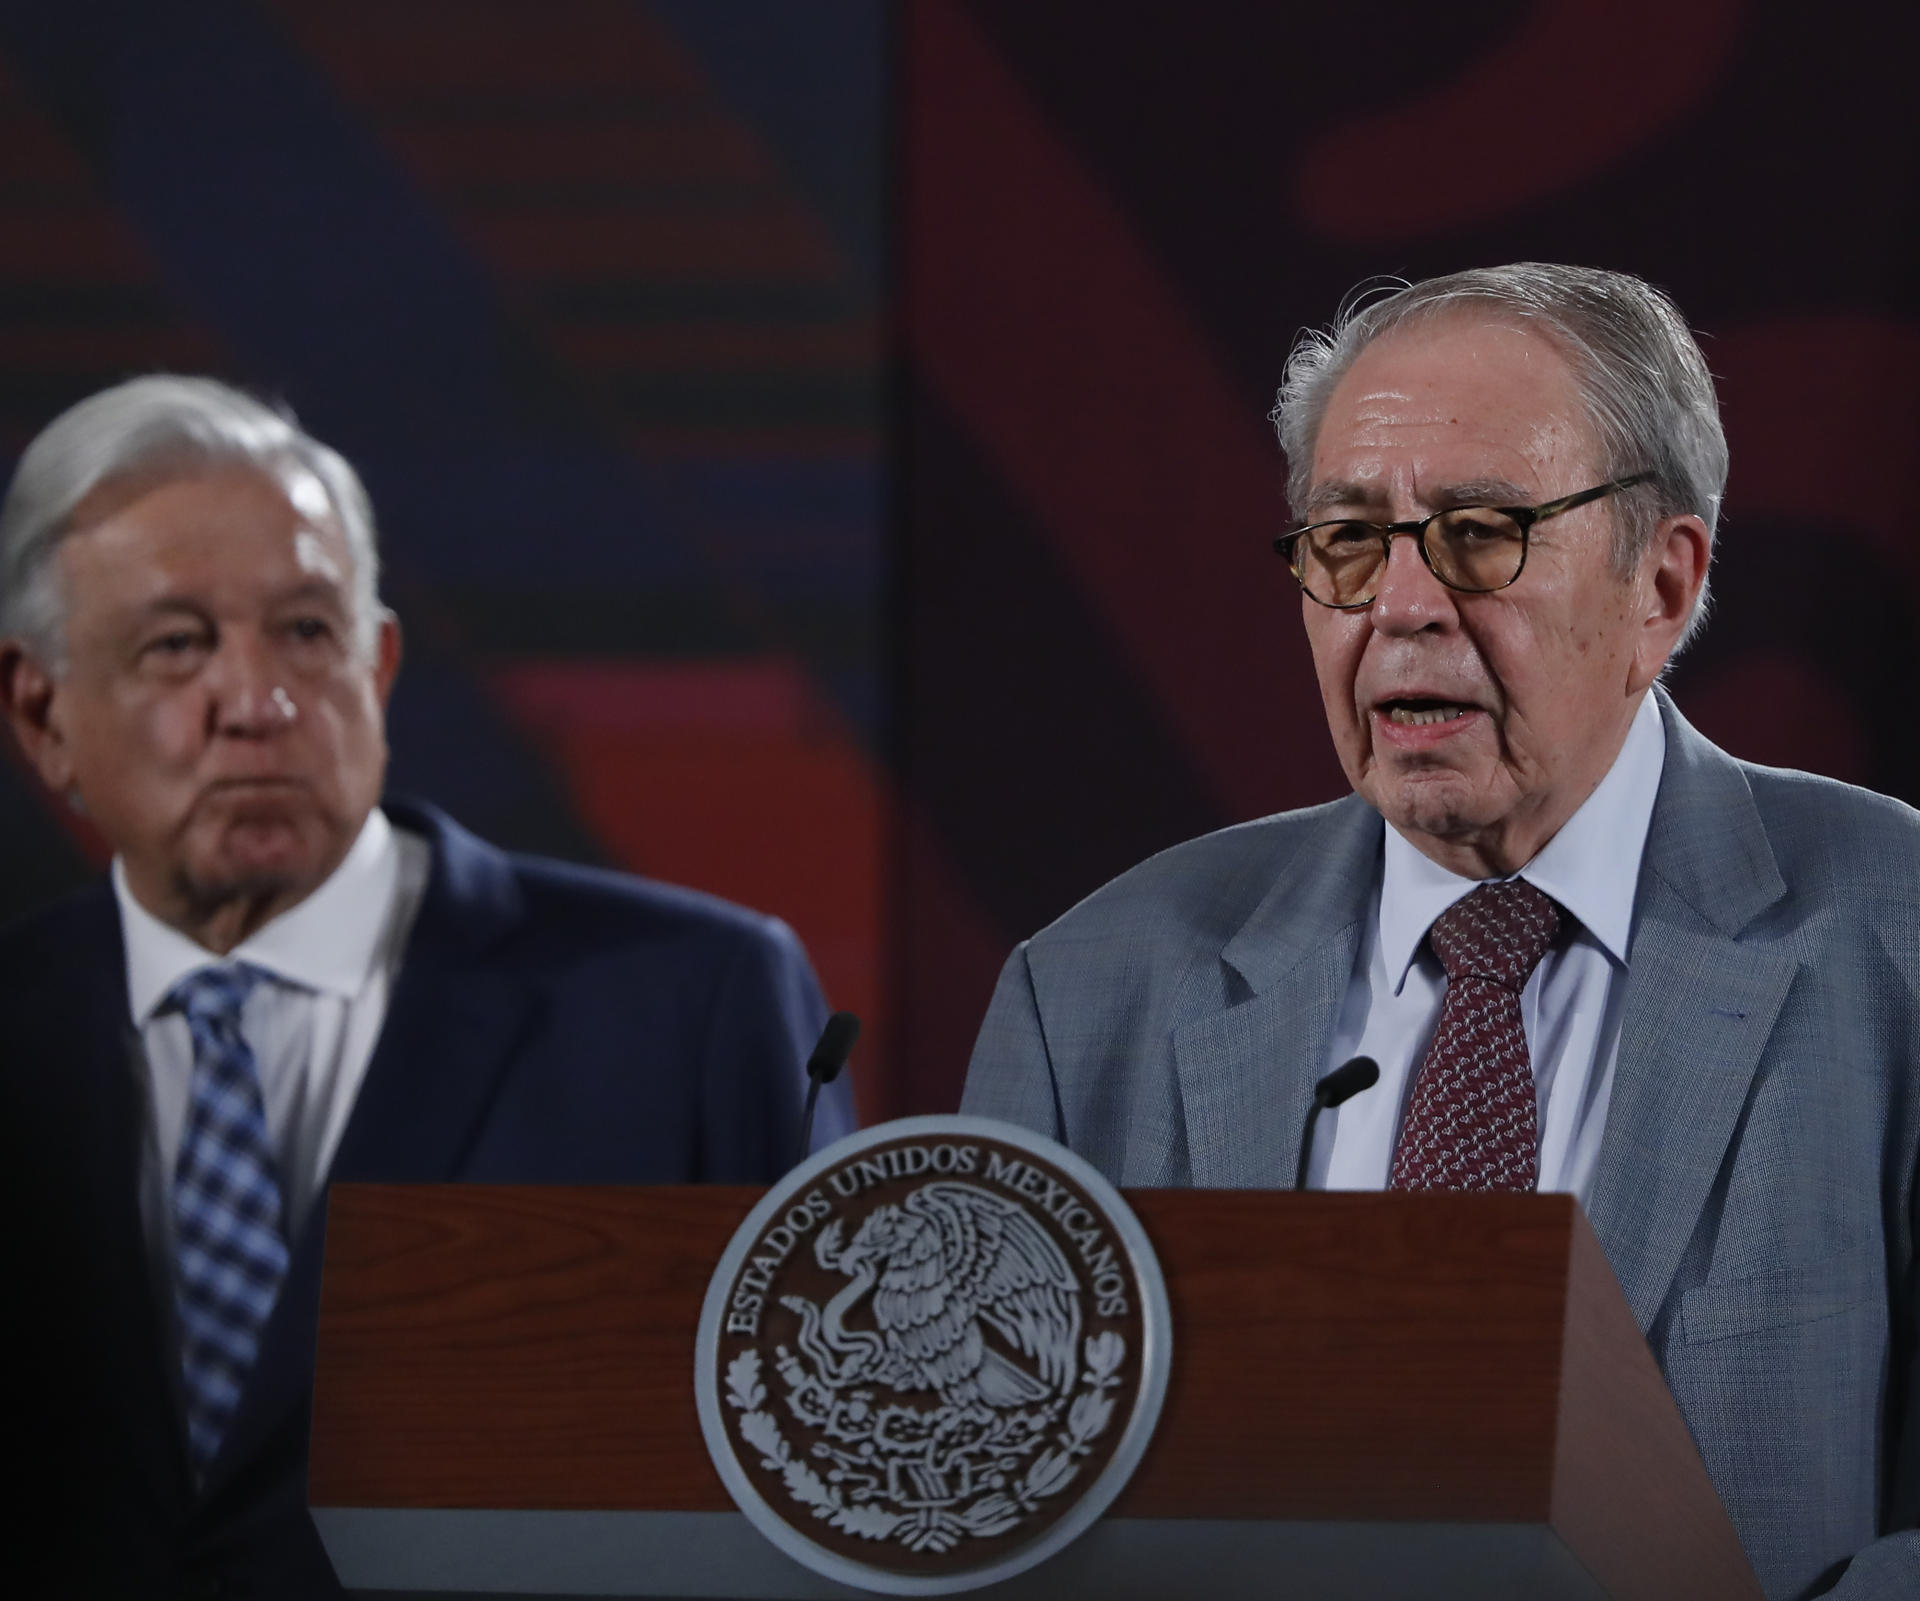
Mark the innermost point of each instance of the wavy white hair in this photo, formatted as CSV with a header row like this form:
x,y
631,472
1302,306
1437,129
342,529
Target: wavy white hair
x,y
160,424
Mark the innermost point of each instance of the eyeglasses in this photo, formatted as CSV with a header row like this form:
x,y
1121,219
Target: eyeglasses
x,y
1474,549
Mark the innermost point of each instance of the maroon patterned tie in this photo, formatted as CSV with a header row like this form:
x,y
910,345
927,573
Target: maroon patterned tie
x,y
1472,1122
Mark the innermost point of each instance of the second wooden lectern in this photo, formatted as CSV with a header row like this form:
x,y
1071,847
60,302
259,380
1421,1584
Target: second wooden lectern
x,y
1371,1396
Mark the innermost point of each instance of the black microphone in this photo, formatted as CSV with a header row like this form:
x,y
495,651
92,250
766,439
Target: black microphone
x,y
1342,1084
823,1067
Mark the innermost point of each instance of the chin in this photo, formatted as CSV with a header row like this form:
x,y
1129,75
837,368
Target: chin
x,y
1439,806
206,888
256,857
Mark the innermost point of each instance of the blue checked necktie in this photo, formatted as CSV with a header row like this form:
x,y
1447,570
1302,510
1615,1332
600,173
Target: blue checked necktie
x,y
229,1246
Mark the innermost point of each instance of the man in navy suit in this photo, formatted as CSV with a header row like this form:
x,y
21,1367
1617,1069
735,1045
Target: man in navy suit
x,y
285,982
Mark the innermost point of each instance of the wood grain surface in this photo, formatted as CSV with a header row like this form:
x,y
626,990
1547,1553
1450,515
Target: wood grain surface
x,y
1336,1356
503,1346
1355,1356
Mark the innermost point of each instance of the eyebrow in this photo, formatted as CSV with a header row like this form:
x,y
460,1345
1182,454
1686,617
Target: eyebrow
x,y
1473,492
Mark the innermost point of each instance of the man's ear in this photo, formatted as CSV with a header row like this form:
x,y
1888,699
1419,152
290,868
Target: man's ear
x,y
1674,570
386,655
28,694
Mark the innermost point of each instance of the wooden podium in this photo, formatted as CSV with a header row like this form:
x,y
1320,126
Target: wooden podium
x,y
1371,1396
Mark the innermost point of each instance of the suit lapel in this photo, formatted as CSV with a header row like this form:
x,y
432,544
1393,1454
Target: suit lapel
x,y
1247,1069
455,1024
452,1031
1700,1006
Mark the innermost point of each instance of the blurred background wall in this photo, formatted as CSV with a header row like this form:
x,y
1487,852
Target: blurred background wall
x,y
820,448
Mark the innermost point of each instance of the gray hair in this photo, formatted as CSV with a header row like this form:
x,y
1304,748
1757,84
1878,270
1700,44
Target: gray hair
x,y
1645,384
158,424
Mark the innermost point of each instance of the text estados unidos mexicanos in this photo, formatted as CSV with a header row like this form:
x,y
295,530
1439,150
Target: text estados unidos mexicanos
x,y
913,1161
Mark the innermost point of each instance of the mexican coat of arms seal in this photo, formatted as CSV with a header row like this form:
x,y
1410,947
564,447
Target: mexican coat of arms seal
x,y
932,1355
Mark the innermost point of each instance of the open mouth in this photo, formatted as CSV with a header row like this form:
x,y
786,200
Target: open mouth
x,y
1416,713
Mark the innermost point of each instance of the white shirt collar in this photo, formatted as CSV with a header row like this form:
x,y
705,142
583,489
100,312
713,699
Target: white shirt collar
x,y
328,942
1590,867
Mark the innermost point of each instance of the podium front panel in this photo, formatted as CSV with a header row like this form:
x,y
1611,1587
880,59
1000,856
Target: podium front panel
x,y
1392,1392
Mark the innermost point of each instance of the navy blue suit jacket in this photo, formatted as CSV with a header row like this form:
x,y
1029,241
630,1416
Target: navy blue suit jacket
x,y
549,1024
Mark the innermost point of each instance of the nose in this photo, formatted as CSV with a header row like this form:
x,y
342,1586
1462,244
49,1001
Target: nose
x,y
1410,599
245,698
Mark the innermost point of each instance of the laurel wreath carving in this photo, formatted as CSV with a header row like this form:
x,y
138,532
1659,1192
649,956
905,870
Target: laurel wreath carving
x,y
993,1513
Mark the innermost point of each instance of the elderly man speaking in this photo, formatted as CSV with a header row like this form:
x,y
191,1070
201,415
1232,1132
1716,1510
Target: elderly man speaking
x,y
1589,951
284,982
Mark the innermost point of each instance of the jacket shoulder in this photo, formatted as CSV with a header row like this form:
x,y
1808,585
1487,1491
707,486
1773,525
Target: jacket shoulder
x,y
1836,837
596,905
1204,889
566,911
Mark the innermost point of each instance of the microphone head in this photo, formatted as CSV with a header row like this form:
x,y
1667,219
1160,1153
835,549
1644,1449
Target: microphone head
x,y
1346,1081
836,1045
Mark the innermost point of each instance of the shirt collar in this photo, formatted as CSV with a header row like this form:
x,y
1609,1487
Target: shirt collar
x,y
326,943
1590,867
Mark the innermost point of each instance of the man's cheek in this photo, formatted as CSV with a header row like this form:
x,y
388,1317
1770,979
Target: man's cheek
x,y
174,730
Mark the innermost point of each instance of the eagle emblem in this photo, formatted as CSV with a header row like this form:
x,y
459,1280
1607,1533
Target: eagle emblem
x,y
925,1368
943,1269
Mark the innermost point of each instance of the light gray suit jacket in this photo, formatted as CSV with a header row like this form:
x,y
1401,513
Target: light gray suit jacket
x,y
1756,1185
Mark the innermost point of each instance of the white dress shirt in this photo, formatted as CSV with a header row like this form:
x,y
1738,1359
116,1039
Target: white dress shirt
x,y
1570,1008
311,1026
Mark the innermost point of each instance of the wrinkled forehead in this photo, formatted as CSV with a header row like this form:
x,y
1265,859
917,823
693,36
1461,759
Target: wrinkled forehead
x,y
232,528
1453,400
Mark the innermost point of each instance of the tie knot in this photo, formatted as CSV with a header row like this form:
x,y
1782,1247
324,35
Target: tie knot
x,y
214,995
1499,933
